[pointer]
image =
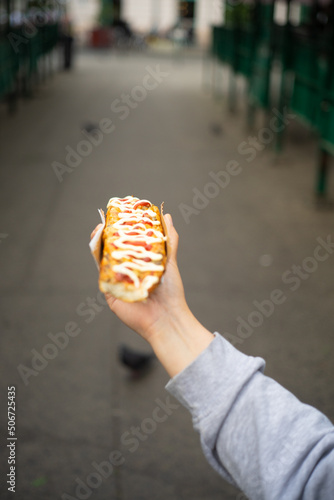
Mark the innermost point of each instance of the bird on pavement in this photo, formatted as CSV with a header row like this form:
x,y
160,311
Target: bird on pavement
x,y
136,361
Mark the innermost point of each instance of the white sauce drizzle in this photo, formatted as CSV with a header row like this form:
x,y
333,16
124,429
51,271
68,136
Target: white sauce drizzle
x,y
158,235
133,218
120,268
127,216
149,281
120,254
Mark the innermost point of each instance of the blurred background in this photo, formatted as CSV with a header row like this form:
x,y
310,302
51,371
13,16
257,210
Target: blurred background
x,y
224,111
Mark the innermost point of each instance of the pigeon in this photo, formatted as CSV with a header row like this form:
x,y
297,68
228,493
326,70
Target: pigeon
x,y
136,361
90,127
215,129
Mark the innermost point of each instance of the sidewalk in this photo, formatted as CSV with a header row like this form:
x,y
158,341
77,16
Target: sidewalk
x,y
164,139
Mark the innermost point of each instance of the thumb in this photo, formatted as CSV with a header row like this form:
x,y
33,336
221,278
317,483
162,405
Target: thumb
x,y
172,238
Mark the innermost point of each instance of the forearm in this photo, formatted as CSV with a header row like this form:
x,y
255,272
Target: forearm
x,y
179,341
253,431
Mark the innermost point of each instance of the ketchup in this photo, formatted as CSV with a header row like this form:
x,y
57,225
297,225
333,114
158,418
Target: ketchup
x,y
137,243
123,277
141,203
129,223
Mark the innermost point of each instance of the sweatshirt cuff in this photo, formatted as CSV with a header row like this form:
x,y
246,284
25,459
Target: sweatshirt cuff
x,y
214,379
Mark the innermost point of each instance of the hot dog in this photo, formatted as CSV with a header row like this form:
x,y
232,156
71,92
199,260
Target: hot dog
x,y
133,249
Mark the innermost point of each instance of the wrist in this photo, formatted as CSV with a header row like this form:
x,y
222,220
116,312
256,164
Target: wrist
x,y
179,341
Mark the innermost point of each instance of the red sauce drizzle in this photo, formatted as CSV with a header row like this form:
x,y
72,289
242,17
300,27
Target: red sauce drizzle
x,y
135,243
141,203
123,277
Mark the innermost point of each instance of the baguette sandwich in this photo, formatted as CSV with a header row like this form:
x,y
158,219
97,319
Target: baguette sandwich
x,y
133,249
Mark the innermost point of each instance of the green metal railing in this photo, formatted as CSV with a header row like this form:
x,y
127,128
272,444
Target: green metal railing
x,y
244,42
249,43
20,54
9,66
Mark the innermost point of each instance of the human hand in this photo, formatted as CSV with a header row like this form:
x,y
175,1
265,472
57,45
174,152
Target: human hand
x,y
164,318
165,302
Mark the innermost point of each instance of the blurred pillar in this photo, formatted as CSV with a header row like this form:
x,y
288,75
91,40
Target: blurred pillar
x,y
156,15
187,11
116,10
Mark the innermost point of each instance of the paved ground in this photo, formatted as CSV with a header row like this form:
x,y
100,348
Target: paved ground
x,y
80,408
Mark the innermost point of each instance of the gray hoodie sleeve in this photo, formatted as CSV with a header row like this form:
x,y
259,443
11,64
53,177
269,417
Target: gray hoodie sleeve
x,y
254,432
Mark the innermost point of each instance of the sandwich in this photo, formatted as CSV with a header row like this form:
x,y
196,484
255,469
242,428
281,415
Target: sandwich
x,y
133,249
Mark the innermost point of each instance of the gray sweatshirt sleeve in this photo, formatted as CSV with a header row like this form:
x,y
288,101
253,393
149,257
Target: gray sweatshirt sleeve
x,y
254,432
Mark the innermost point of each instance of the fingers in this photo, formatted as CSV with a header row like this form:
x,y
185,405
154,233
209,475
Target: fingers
x,y
95,231
173,238
110,300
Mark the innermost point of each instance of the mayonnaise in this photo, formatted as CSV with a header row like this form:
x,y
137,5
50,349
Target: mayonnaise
x,y
129,245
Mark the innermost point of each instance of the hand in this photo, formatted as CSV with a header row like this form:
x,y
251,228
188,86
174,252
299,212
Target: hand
x,y
147,317
164,318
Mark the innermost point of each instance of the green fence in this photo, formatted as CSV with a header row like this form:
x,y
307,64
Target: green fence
x,y
9,66
309,69
312,97
313,91
244,42
20,54
250,43
263,56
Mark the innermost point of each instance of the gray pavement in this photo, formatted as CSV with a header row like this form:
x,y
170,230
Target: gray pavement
x,y
79,408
